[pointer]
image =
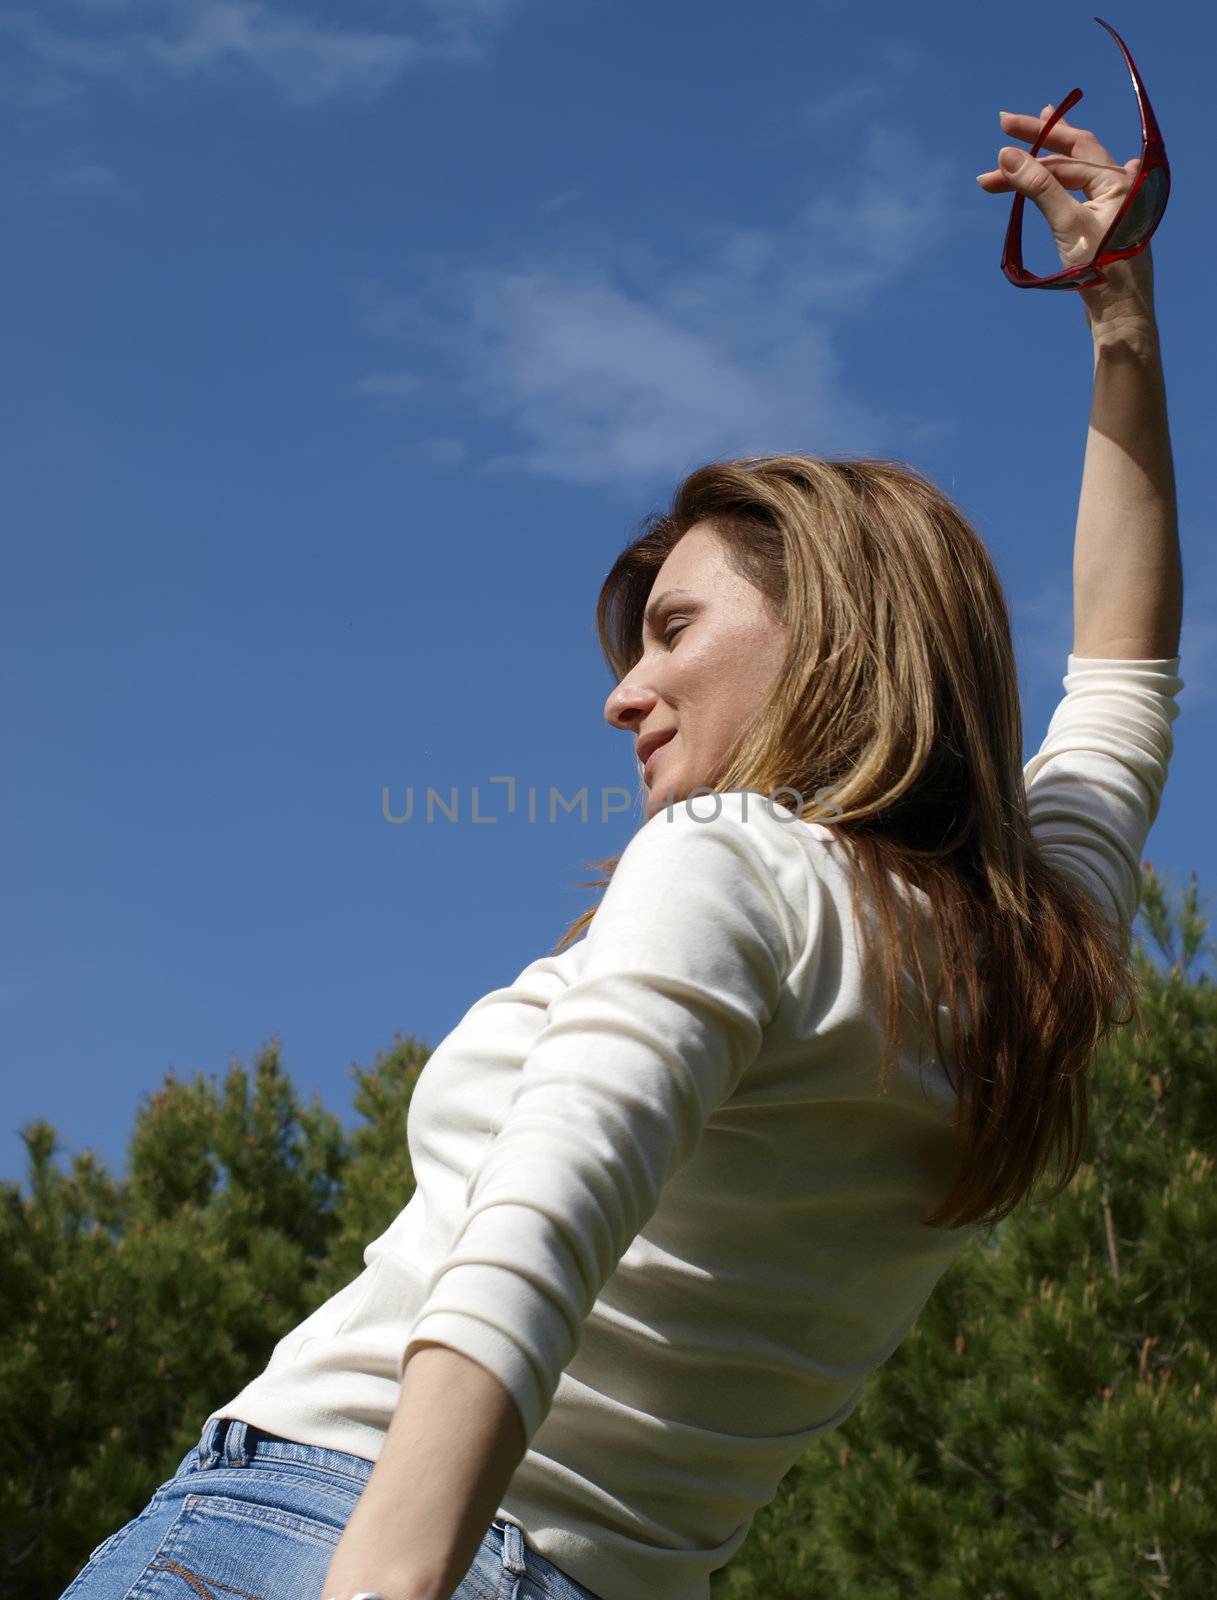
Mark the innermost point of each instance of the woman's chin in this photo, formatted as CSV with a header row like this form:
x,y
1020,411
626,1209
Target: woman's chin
x,y
664,794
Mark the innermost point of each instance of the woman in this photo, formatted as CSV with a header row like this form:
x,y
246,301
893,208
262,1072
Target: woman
x,y
689,1180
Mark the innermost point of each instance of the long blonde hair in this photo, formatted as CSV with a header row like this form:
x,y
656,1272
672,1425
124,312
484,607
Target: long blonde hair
x,y
899,694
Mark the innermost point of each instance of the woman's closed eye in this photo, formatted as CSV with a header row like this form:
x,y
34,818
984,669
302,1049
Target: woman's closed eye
x,y
669,632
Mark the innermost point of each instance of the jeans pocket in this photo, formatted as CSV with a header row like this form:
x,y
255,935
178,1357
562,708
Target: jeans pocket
x,y
239,1550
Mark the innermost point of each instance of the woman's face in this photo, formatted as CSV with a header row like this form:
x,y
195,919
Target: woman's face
x,y
710,653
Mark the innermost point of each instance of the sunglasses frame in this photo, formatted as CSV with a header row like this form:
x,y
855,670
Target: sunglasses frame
x,y
1154,169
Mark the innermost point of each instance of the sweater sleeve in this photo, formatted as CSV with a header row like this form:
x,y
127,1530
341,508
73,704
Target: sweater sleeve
x,y
1095,785
684,964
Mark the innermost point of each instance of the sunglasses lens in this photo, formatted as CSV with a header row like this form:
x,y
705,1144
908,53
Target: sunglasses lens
x,y
1040,253
1143,216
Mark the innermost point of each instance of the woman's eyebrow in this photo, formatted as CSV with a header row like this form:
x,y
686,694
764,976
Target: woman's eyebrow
x,y
657,607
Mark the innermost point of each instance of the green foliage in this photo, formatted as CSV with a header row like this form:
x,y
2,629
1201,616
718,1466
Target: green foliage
x,y
1043,1432
130,1310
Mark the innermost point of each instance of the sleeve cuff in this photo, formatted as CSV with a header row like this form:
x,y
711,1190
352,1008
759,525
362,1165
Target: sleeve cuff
x,y
492,1349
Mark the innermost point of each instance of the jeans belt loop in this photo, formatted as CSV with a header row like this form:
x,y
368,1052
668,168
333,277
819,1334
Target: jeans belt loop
x,y
237,1452
513,1556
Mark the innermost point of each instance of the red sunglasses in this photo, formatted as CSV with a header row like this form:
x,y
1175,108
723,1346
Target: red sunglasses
x,y
1134,223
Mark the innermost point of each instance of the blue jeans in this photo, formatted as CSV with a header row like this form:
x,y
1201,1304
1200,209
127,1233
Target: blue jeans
x,y
251,1516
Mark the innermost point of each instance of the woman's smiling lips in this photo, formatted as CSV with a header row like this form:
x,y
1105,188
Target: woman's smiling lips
x,y
650,762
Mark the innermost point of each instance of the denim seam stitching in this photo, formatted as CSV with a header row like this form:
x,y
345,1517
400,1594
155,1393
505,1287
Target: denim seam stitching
x,y
251,1510
268,1474
100,1551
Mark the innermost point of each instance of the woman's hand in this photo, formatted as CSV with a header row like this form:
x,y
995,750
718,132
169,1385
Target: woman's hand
x,y
1075,159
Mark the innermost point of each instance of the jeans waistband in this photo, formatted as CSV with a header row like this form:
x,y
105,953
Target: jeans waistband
x,y
233,1442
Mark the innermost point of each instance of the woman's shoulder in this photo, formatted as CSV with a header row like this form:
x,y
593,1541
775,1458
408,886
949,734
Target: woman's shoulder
x,y
770,822
737,857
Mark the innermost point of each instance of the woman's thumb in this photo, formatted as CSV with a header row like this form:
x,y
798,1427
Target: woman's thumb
x,y
1033,179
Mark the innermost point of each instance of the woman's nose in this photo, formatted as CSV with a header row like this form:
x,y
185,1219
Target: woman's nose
x,y
627,704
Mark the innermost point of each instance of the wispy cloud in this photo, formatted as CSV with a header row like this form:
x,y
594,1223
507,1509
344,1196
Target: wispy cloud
x,y
555,202
134,44
90,178
1198,646
601,360
390,385
1043,629
826,124
440,449
1043,624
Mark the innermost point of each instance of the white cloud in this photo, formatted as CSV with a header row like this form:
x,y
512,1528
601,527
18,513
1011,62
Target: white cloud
x,y
1043,629
603,362
555,202
389,385
441,449
1043,626
90,178
830,118
136,43
1198,642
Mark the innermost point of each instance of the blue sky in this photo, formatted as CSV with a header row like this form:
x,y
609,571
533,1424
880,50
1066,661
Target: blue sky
x,y
346,347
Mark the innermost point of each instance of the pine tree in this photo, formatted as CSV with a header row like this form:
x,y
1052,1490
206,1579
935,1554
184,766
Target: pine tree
x,y
1043,1432
130,1310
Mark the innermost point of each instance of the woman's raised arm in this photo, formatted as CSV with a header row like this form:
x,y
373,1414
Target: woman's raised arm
x,y
1127,569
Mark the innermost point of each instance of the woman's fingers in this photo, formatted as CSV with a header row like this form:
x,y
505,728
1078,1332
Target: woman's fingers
x,y
1033,179
1065,138
1071,158
1063,173
1069,171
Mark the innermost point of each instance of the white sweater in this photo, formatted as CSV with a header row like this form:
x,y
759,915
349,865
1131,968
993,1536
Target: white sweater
x,y
658,1193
